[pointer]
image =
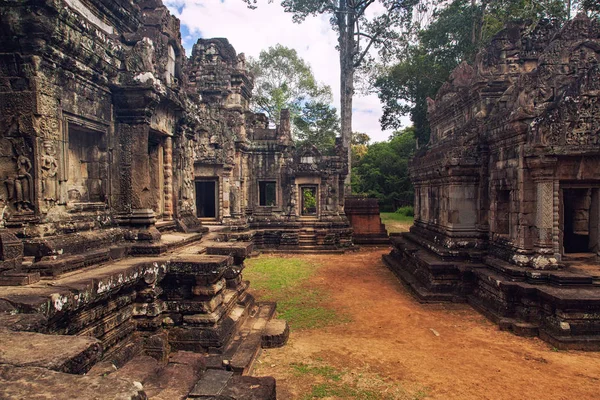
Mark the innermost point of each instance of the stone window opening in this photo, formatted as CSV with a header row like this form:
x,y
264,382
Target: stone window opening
x,y
581,219
267,193
503,212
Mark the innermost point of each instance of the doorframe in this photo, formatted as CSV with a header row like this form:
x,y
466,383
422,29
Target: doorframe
x,y
595,187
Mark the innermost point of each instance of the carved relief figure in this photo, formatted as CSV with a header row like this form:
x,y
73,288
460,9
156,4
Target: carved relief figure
x,y
20,186
49,172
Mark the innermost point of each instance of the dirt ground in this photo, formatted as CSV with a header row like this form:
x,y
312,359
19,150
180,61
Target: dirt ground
x,y
437,351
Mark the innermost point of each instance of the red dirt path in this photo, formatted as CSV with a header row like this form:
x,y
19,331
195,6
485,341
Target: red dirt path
x,y
391,335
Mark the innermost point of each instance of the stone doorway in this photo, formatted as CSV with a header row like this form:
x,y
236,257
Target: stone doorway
x,y
309,200
206,199
580,220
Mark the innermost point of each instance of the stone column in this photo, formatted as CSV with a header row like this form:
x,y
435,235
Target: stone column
x,y
133,197
226,204
168,177
545,212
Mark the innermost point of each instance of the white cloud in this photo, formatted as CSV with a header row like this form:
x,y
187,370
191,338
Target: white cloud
x,y
251,31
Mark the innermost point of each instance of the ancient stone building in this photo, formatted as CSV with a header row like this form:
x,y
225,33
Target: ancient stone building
x,y
114,143
507,200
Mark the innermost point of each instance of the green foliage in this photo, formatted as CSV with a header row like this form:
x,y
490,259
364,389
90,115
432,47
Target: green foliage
x,y
317,124
383,171
284,80
309,201
457,31
284,280
407,211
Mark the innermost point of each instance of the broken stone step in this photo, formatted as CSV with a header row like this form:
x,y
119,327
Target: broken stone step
x,y
19,278
238,250
246,345
275,334
211,384
177,378
141,369
55,267
30,382
71,354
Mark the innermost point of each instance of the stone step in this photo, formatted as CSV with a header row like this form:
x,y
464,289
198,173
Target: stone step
x,y
420,291
247,343
219,384
30,382
57,266
212,383
141,369
275,334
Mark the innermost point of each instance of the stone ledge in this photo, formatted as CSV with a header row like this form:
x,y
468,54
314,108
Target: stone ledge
x,y
22,382
70,354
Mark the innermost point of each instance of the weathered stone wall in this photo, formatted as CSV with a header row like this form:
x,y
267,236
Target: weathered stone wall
x,y
505,133
507,193
105,122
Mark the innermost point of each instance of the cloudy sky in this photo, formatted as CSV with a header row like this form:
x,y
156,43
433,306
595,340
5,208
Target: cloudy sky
x,y
251,31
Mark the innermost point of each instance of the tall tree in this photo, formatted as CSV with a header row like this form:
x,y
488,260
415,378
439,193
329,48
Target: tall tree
x,y
358,32
318,124
284,80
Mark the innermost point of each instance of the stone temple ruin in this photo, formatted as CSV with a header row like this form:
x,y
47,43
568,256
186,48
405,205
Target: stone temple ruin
x,y
507,193
115,150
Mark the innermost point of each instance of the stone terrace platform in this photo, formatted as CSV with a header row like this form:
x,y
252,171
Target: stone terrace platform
x,y
170,326
562,306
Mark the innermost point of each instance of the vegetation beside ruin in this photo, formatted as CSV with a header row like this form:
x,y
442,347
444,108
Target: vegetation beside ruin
x,y
285,281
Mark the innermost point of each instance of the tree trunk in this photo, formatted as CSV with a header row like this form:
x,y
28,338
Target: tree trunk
x,y
347,48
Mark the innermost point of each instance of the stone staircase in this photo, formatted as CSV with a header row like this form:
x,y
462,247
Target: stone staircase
x,y
159,327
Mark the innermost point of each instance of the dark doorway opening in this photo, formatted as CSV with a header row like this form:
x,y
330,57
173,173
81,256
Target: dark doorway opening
x,y
309,200
580,220
206,199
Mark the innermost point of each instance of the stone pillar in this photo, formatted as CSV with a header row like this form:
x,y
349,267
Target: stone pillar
x,y
545,212
226,204
133,197
168,177
546,199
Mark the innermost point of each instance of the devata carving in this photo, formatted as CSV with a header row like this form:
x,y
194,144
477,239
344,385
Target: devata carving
x,y
49,166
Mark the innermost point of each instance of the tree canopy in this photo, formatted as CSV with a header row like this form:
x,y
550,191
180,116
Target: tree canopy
x,y
456,31
382,172
318,124
284,80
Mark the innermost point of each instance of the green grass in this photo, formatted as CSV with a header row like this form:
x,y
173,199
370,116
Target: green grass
x,y
328,381
326,371
284,280
392,216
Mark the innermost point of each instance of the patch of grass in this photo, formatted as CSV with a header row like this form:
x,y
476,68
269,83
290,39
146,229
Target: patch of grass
x,y
284,280
276,274
331,382
326,371
396,222
397,217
